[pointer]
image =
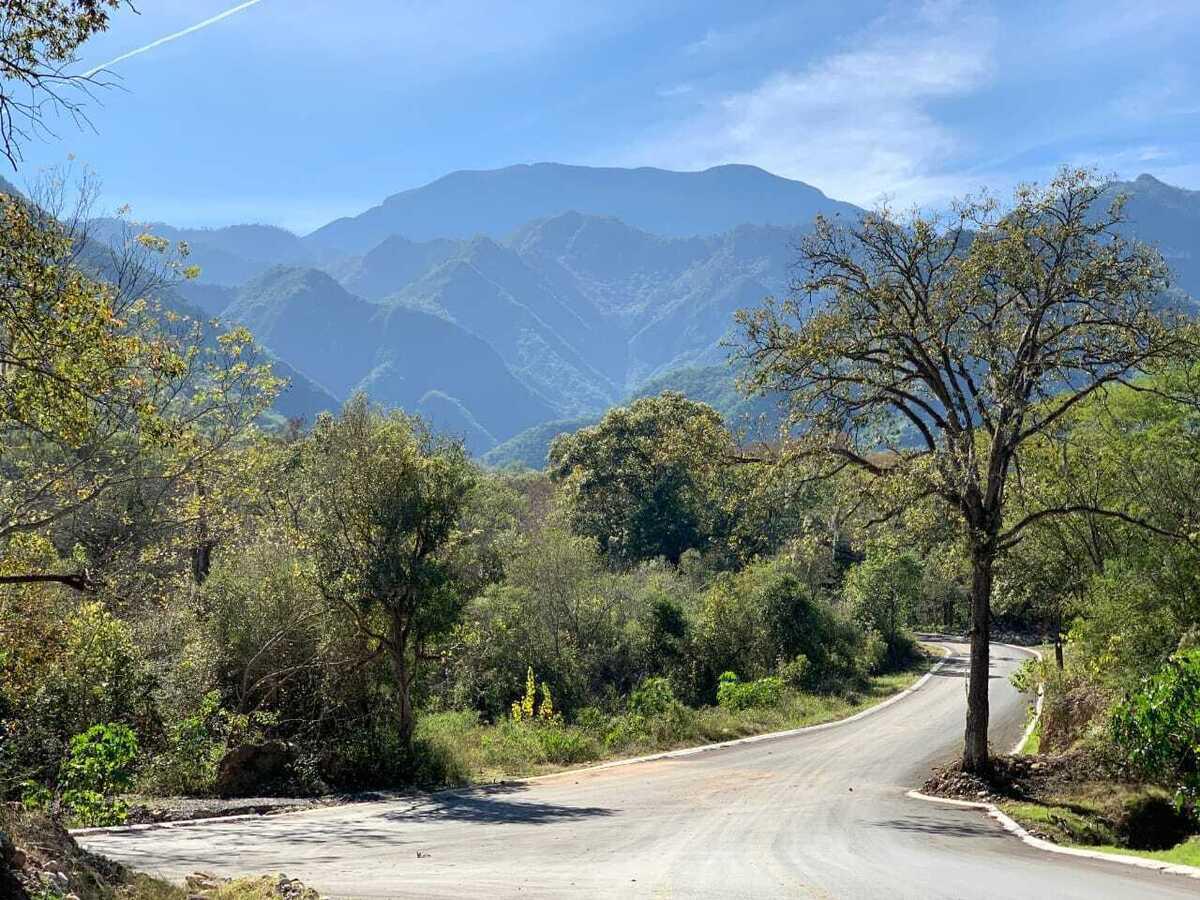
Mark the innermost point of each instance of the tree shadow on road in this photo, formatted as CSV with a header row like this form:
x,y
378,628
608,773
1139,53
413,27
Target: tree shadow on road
x,y
492,803
935,826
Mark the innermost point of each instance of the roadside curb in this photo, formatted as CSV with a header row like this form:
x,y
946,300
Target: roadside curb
x,y
1010,825
611,764
1037,710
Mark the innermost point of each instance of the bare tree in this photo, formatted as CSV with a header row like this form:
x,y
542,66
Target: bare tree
x,y
928,352
38,44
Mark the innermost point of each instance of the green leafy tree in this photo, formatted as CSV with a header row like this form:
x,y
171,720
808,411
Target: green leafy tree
x,y
110,407
388,501
642,482
935,352
98,766
884,589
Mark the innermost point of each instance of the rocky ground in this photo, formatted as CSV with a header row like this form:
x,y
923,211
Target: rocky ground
x,y
1019,778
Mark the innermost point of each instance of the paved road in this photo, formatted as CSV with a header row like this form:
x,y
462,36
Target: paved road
x,y
821,814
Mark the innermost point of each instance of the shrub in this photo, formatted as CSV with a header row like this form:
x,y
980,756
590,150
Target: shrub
x,y
1157,727
565,746
652,697
590,718
442,744
796,672
99,764
873,654
626,730
734,694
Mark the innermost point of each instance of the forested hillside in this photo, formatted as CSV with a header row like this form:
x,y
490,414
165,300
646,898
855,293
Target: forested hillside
x,y
562,291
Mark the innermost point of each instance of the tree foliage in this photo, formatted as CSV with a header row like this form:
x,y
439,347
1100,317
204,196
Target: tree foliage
x,y
642,482
388,504
104,394
935,351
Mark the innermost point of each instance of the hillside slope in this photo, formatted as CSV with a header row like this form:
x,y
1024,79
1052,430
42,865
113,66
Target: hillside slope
x,y
397,355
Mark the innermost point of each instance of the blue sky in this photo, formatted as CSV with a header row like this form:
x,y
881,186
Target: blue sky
x,y
293,112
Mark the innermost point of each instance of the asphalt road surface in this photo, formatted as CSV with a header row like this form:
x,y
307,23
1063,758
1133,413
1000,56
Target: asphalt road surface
x,y
820,814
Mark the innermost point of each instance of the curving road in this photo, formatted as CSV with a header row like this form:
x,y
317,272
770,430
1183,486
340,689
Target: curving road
x,y
819,814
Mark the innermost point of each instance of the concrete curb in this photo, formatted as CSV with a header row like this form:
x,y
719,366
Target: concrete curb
x,y
612,764
1037,711
1010,825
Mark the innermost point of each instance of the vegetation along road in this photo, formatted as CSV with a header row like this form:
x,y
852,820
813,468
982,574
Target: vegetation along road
x,y
820,814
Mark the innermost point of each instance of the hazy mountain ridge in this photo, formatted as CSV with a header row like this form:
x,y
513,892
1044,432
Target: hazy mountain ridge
x,y
226,256
585,307
497,202
1167,218
397,355
563,313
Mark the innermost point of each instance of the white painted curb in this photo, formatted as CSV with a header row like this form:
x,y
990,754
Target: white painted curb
x,y
1009,825
1049,846
611,764
1037,710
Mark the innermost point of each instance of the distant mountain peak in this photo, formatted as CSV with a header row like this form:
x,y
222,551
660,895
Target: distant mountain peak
x,y
496,202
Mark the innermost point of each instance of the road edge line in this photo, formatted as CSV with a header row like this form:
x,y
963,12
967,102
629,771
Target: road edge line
x,y
1009,824
611,764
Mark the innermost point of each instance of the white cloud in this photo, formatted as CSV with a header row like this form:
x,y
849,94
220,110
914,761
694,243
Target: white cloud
x,y
857,123
675,90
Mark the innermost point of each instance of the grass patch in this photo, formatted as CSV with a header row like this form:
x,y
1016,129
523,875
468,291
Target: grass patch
x,y
1061,824
1185,854
456,748
1032,744
1072,828
1139,820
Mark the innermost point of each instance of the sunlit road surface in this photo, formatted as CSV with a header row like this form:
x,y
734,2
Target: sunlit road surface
x,y
820,814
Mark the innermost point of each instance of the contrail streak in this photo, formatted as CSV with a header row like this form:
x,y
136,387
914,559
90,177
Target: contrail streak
x,y
173,37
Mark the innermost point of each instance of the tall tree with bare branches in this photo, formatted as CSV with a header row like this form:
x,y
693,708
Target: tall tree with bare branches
x,y
928,351
38,44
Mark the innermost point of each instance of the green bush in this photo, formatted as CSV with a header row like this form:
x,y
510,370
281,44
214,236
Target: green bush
x,y
735,694
441,747
99,764
565,746
654,696
590,718
1157,727
626,730
796,672
873,653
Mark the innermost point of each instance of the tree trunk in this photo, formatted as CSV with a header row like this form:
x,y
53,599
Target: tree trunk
x,y
1058,651
975,744
398,650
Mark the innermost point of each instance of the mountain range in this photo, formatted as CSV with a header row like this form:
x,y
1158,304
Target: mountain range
x,y
510,305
